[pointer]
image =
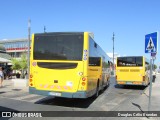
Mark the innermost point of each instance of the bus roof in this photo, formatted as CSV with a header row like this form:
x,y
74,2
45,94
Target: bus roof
x,y
130,56
58,33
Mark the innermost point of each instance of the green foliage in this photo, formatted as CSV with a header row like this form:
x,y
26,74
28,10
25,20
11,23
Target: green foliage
x,y
23,62
106,65
15,64
153,67
20,64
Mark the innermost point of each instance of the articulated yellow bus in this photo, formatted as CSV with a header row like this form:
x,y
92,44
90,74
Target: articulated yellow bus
x,y
67,64
132,70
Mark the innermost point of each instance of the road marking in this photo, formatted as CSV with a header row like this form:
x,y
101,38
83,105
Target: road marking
x,y
41,99
25,97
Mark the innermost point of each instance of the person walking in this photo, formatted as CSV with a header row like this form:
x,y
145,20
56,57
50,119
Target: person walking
x,y
1,76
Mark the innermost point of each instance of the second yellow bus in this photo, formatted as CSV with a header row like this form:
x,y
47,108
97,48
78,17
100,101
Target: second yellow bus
x,y
132,70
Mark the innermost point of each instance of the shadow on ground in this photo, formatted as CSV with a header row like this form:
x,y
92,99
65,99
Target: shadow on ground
x,y
66,102
69,102
131,87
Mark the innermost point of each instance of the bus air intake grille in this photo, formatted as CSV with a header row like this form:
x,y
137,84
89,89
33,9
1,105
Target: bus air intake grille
x,y
54,65
124,70
135,70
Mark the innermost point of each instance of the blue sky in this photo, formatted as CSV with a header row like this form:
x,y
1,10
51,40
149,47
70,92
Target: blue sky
x,y
129,20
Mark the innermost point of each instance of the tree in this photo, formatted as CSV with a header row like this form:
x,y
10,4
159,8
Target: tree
x,y
20,64
153,67
15,64
23,64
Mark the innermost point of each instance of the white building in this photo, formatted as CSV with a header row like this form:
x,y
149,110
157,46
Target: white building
x,y
115,56
15,47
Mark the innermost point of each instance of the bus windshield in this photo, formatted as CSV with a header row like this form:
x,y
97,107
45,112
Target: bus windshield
x,y
129,61
52,46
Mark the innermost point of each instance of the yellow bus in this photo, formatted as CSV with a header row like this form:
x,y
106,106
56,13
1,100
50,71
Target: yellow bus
x,y
67,64
132,70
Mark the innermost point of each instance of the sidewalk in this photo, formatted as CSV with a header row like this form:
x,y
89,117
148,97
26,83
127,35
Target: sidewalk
x,y
143,100
9,88
155,94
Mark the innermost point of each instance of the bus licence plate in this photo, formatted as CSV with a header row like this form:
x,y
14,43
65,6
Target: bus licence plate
x,y
129,82
55,94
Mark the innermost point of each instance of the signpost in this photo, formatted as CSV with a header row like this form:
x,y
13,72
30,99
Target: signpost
x,y
151,42
151,46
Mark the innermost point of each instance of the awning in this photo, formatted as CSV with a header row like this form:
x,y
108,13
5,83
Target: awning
x,y
5,56
3,60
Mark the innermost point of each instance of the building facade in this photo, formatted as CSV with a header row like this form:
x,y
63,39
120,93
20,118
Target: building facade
x,y
15,47
4,57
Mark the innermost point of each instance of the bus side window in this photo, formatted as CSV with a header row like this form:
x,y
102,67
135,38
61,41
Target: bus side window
x,y
94,61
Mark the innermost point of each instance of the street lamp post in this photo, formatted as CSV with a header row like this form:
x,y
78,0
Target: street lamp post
x,y
44,29
113,52
29,30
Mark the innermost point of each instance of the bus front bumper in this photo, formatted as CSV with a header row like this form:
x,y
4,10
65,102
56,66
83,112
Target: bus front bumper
x,y
78,94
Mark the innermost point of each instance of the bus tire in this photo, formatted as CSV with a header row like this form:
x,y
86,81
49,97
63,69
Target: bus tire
x,y
97,90
108,83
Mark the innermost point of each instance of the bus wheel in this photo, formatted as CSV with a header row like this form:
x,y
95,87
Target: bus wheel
x,y
97,90
108,82
107,85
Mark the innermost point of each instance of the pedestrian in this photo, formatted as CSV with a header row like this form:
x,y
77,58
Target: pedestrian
x,y
1,76
154,76
18,75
